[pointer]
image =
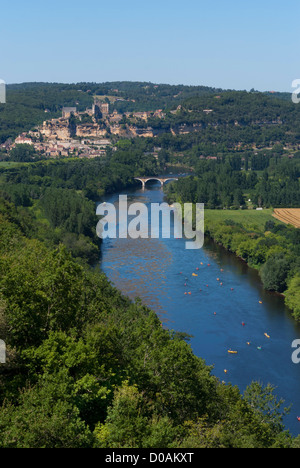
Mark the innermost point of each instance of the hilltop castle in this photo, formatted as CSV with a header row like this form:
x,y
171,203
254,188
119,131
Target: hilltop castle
x,y
98,108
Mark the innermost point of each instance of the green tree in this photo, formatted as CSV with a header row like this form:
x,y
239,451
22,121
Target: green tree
x,y
72,125
274,272
45,291
266,405
131,423
22,153
292,296
45,417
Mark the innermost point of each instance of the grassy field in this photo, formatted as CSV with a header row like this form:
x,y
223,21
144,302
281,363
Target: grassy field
x,y
8,164
11,164
112,99
250,219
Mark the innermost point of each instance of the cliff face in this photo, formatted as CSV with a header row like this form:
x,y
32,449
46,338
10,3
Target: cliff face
x,y
56,130
141,132
63,133
90,130
60,130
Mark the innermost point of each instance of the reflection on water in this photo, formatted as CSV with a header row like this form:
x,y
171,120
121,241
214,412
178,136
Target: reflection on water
x,y
215,297
138,267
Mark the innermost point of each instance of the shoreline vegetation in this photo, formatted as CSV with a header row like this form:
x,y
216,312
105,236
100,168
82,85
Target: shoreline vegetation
x,y
86,367
273,257
251,237
239,216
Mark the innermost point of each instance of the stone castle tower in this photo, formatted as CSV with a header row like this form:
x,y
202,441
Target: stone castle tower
x,y
101,106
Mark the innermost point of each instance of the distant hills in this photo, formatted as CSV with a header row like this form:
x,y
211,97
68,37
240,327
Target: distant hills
x,y
29,104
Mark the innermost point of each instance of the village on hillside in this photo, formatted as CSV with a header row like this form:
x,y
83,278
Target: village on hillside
x,y
85,134
89,133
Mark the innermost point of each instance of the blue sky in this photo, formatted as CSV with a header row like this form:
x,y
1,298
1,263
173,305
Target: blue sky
x,y
230,44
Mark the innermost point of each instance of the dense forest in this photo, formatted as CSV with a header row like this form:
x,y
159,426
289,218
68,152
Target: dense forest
x,y
88,368
274,250
29,104
61,195
230,122
222,184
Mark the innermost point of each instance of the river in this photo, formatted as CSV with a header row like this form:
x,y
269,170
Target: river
x,y
223,307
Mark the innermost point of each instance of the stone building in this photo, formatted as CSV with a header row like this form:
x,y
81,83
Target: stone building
x,y
103,107
67,111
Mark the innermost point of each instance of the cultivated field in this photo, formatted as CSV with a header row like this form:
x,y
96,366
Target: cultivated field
x,y
250,219
288,216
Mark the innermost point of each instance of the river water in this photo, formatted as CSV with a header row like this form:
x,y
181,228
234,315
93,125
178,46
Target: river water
x,y
224,307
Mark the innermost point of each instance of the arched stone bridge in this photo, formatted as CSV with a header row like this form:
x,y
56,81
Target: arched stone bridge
x,y
144,180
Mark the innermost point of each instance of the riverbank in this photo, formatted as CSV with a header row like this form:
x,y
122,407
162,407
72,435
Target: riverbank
x,y
182,287
262,242
78,351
